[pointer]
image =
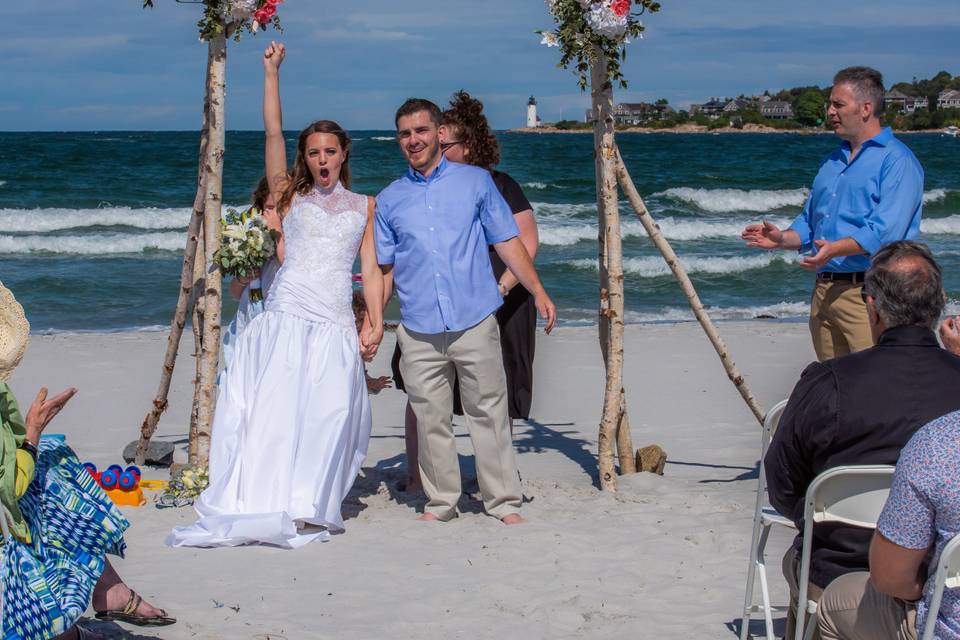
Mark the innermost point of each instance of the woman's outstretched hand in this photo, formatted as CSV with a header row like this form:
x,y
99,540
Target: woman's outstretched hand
x,y
43,410
273,57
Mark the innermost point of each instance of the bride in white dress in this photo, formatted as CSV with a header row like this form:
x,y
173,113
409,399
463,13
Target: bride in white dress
x,y
292,420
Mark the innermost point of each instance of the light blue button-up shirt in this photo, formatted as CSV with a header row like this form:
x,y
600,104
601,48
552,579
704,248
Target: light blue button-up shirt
x,y
875,199
435,232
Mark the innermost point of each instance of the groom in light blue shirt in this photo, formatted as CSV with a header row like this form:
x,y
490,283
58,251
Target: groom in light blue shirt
x,y
434,224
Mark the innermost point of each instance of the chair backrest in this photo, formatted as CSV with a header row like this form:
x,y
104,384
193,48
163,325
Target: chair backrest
x,y
948,575
771,422
853,495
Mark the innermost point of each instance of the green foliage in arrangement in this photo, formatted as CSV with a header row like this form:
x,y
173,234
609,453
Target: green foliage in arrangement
x,y
585,26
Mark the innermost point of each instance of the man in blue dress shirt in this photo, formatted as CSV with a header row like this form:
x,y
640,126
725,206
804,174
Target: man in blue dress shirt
x,y
868,193
434,224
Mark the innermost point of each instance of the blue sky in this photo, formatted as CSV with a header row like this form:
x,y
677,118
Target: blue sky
x,y
108,64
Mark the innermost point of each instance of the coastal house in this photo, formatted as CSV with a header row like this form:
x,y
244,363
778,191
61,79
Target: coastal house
x,y
713,108
776,110
899,102
739,104
634,113
949,99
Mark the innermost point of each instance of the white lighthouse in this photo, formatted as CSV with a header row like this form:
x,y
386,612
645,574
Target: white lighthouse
x,y
532,120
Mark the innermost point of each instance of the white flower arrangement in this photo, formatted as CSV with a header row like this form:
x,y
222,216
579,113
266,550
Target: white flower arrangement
x,y
247,245
185,487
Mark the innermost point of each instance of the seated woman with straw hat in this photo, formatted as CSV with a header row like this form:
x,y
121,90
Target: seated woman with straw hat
x,y
61,525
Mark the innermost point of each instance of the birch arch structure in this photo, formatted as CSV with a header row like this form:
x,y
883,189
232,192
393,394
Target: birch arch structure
x,y
592,36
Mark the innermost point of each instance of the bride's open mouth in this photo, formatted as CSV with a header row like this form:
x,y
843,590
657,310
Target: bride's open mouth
x,y
324,173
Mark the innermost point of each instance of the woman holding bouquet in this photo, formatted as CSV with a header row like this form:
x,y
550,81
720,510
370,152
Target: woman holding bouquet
x,y
245,289
293,418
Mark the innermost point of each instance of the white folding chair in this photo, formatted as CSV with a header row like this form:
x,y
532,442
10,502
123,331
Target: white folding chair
x,y
853,496
948,576
764,518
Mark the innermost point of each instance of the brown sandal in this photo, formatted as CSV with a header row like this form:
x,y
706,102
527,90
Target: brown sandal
x,y
129,614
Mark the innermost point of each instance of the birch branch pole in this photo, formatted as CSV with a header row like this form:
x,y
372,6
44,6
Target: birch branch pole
x,y
626,183
213,295
614,428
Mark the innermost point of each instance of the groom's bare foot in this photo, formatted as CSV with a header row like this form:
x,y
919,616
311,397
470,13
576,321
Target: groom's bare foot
x,y
513,518
428,517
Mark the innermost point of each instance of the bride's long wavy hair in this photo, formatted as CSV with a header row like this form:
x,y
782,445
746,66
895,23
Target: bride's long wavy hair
x,y
300,180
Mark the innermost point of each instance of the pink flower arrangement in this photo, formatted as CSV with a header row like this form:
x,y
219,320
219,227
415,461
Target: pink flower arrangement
x,y
620,7
266,11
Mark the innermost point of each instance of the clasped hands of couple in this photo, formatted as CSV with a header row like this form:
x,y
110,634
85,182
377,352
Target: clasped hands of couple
x,y
767,235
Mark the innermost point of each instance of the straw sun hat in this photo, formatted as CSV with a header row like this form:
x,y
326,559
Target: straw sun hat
x,y
14,332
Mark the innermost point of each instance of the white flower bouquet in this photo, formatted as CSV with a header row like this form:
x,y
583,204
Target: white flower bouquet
x,y
184,487
246,246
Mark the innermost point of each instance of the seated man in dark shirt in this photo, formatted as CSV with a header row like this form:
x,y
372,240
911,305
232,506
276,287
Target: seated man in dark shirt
x,y
862,408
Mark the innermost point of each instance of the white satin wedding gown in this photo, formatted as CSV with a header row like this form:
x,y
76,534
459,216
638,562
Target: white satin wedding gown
x,y
292,420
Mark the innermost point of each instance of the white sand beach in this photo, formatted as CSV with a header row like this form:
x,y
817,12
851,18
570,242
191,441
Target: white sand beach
x,y
665,557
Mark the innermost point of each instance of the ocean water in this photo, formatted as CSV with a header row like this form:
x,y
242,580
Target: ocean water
x,y
92,224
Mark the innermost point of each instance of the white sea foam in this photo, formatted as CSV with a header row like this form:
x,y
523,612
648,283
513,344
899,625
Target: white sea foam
x,y
92,244
655,266
56,219
934,195
565,232
779,311
43,220
541,185
941,226
2,182
383,138
724,200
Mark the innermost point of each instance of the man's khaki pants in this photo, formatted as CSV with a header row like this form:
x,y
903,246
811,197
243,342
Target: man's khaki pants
x,y
791,571
851,608
838,320
428,364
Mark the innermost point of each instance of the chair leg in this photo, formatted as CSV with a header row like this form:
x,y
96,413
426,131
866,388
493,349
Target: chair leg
x,y
751,575
762,569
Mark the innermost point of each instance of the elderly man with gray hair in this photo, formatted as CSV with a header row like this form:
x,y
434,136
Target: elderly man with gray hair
x,y
862,408
868,192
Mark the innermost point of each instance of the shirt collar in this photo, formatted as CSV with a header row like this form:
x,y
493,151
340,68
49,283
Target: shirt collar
x,y
416,176
909,335
881,140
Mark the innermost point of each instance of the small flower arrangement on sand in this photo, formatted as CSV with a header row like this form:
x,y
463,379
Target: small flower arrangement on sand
x,y
585,28
247,245
184,487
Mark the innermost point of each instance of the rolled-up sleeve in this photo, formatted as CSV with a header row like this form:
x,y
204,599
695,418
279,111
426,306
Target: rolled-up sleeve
x,y
496,217
802,227
901,197
384,237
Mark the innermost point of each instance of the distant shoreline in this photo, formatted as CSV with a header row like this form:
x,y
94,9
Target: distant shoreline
x,y
700,129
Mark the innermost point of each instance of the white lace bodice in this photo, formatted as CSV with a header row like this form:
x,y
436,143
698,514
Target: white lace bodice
x,y
322,231
321,235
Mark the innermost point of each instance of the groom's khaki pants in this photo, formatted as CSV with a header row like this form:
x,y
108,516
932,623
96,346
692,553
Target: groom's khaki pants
x,y
428,364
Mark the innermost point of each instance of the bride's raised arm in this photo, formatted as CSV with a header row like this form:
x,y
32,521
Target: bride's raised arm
x,y
275,152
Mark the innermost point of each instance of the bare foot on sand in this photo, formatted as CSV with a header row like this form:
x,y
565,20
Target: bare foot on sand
x,y
513,518
428,517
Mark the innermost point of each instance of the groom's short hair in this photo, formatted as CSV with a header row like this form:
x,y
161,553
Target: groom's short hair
x,y
415,105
